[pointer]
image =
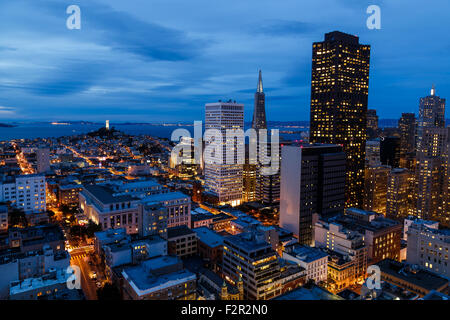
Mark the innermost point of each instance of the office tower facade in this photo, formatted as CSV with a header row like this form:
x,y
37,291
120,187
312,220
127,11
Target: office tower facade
x,y
249,182
249,257
390,151
224,179
372,124
375,188
312,182
267,187
373,153
400,194
339,94
431,168
43,160
372,119
407,127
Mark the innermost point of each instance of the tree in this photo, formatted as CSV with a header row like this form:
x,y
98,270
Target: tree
x,y
91,228
108,292
17,217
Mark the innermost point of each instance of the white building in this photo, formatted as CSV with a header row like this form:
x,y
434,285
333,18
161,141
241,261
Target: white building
x,y
313,260
109,209
224,179
25,192
21,266
429,248
412,219
335,237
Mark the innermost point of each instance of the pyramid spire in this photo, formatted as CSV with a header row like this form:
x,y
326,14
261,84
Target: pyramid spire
x,y
260,84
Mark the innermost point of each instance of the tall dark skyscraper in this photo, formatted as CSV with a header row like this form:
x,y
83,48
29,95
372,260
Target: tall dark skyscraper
x,y
312,182
267,187
339,94
407,127
259,112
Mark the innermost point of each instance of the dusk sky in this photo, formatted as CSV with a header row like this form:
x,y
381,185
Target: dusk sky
x,y
162,60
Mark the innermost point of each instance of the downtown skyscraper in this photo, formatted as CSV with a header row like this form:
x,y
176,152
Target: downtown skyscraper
x,y
312,182
267,187
223,179
339,96
432,159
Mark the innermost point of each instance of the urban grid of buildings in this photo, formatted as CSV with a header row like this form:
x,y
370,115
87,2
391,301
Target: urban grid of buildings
x,y
139,224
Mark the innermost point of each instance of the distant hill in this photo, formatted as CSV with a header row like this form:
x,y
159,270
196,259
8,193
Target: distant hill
x,y
5,125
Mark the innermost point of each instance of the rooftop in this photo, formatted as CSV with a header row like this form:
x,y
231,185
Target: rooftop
x,y
106,195
209,237
58,277
165,197
313,293
305,253
178,232
422,278
144,281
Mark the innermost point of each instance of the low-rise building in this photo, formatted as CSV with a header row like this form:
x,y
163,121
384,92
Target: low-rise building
x,y
411,278
249,257
429,248
18,266
182,241
3,218
154,220
382,236
313,260
335,237
109,209
178,207
210,246
161,278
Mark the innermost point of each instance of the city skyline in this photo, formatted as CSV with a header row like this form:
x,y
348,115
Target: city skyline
x,y
108,70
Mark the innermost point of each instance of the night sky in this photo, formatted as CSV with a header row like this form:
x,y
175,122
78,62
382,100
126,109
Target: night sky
x,y
162,60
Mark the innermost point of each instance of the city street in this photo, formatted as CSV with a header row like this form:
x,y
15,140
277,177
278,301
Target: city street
x,y
80,258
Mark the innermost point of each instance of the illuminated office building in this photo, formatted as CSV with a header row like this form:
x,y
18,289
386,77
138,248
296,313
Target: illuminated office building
x,y
222,179
373,153
431,167
400,194
248,179
375,188
249,257
339,93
